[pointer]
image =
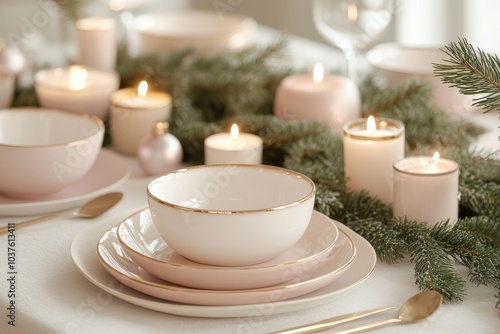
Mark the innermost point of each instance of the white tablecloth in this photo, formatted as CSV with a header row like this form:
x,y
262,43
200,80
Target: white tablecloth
x,y
52,296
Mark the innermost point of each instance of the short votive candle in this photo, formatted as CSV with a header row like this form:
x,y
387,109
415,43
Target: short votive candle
x,y
233,148
426,189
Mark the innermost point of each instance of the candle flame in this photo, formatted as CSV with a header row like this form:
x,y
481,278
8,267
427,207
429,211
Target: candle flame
x,y
318,73
370,125
235,132
77,77
142,90
352,12
435,158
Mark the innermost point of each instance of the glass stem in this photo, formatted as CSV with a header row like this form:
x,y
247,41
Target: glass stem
x,y
352,68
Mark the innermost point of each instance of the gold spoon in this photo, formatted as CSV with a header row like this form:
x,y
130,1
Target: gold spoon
x,y
417,308
91,209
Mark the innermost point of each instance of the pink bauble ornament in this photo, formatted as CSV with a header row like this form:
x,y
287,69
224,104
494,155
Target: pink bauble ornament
x,y
160,152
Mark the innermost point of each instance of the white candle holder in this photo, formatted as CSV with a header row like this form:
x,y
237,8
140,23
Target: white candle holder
x,y
96,40
369,155
133,116
228,148
425,191
76,88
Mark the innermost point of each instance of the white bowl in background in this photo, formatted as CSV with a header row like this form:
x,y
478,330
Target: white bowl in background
x,y
400,63
231,215
203,30
43,151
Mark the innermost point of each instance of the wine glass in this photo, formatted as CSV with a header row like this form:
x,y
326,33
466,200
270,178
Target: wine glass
x,y
352,24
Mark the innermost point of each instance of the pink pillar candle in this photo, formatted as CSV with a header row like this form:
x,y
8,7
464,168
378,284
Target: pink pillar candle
x,y
329,99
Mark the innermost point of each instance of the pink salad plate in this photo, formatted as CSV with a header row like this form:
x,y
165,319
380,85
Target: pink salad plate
x,y
143,243
116,261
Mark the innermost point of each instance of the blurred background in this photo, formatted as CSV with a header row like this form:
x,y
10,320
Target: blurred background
x,y
39,26
420,23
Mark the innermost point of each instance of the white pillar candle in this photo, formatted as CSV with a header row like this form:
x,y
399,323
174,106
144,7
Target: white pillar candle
x,y
76,88
371,147
426,189
329,99
96,42
133,113
233,148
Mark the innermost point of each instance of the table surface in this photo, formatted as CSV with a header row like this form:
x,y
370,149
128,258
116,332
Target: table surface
x,y
52,296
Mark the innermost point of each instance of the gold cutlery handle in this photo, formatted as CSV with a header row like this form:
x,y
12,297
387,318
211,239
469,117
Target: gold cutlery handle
x,y
35,220
330,322
366,327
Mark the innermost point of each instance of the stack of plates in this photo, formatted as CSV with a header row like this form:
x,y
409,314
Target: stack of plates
x,y
134,253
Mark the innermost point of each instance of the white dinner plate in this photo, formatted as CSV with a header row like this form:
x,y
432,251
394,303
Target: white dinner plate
x,y
109,171
84,256
142,242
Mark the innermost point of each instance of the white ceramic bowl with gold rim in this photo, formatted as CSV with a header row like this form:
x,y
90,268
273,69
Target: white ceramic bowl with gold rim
x,y
44,150
231,215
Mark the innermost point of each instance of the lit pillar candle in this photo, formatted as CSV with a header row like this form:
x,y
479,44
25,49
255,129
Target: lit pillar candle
x,y
96,42
76,88
133,113
329,99
371,147
233,147
426,189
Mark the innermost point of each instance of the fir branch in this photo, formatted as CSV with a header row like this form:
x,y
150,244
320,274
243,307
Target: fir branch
x,y
388,242
327,201
433,270
480,258
483,229
473,72
371,218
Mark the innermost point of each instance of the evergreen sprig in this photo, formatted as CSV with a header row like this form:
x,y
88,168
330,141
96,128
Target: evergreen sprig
x,y
473,72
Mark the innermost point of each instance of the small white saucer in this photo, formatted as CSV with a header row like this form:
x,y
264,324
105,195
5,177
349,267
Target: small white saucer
x,y
109,171
143,243
116,261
